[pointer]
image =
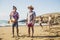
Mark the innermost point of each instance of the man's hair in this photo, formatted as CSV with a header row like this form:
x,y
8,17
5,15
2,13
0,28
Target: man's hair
x,y
14,7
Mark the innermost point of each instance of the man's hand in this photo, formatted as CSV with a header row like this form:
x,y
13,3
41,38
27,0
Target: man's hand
x,y
26,23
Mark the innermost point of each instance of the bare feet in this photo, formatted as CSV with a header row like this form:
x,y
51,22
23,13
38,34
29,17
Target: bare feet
x,y
13,36
18,36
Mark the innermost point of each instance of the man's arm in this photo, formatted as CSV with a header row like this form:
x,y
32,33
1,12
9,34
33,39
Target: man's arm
x,y
17,16
34,17
10,15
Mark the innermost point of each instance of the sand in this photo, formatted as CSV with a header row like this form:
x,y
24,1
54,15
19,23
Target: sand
x,y
39,34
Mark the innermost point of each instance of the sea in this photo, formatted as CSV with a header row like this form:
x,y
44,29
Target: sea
x,y
5,23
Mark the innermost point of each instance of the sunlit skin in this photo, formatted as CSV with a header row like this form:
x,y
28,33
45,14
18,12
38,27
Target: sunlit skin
x,y
30,10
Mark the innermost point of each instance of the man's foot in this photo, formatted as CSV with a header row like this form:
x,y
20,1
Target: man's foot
x,y
18,36
32,36
28,35
13,36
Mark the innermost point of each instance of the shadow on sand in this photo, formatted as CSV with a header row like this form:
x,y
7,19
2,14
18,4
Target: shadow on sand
x,y
32,38
46,36
0,38
40,36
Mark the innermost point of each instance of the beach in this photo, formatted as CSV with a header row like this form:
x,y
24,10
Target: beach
x,y
39,33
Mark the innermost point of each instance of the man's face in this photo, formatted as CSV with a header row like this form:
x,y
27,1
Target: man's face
x,y
30,9
14,10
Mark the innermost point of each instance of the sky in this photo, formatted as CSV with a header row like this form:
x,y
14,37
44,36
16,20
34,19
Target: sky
x,y
40,7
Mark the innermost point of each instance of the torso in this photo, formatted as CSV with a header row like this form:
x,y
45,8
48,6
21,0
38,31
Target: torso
x,y
30,17
14,16
49,18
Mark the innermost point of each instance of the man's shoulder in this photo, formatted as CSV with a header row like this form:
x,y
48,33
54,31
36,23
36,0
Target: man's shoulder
x,y
33,12
17,13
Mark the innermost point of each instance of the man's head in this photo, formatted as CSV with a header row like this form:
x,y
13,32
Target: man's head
x,y
14,8
30,8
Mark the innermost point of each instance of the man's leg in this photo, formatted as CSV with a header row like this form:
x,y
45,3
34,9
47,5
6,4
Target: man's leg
x,y
29,31
41,25
32,31
13,29
17,29
50,25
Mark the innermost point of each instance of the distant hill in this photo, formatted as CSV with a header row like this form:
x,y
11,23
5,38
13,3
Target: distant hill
x,y
56,16
47,14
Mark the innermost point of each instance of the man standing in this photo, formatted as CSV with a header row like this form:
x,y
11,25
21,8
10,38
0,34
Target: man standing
x,y
50,21
41,19
14,16
31,20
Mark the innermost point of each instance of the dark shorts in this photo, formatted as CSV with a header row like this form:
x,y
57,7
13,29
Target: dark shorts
x,y
15,24
30,25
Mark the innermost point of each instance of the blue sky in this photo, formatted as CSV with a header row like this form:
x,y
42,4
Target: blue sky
x,y
41,7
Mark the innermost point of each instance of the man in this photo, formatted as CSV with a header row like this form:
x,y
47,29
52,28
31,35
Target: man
x,y
50,21
31,20
41,19
14,16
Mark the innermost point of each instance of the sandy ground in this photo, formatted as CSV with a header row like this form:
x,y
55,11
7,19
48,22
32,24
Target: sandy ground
x,y
39,34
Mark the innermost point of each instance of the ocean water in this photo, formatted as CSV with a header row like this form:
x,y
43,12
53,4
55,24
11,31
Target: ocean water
x,y
5,23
